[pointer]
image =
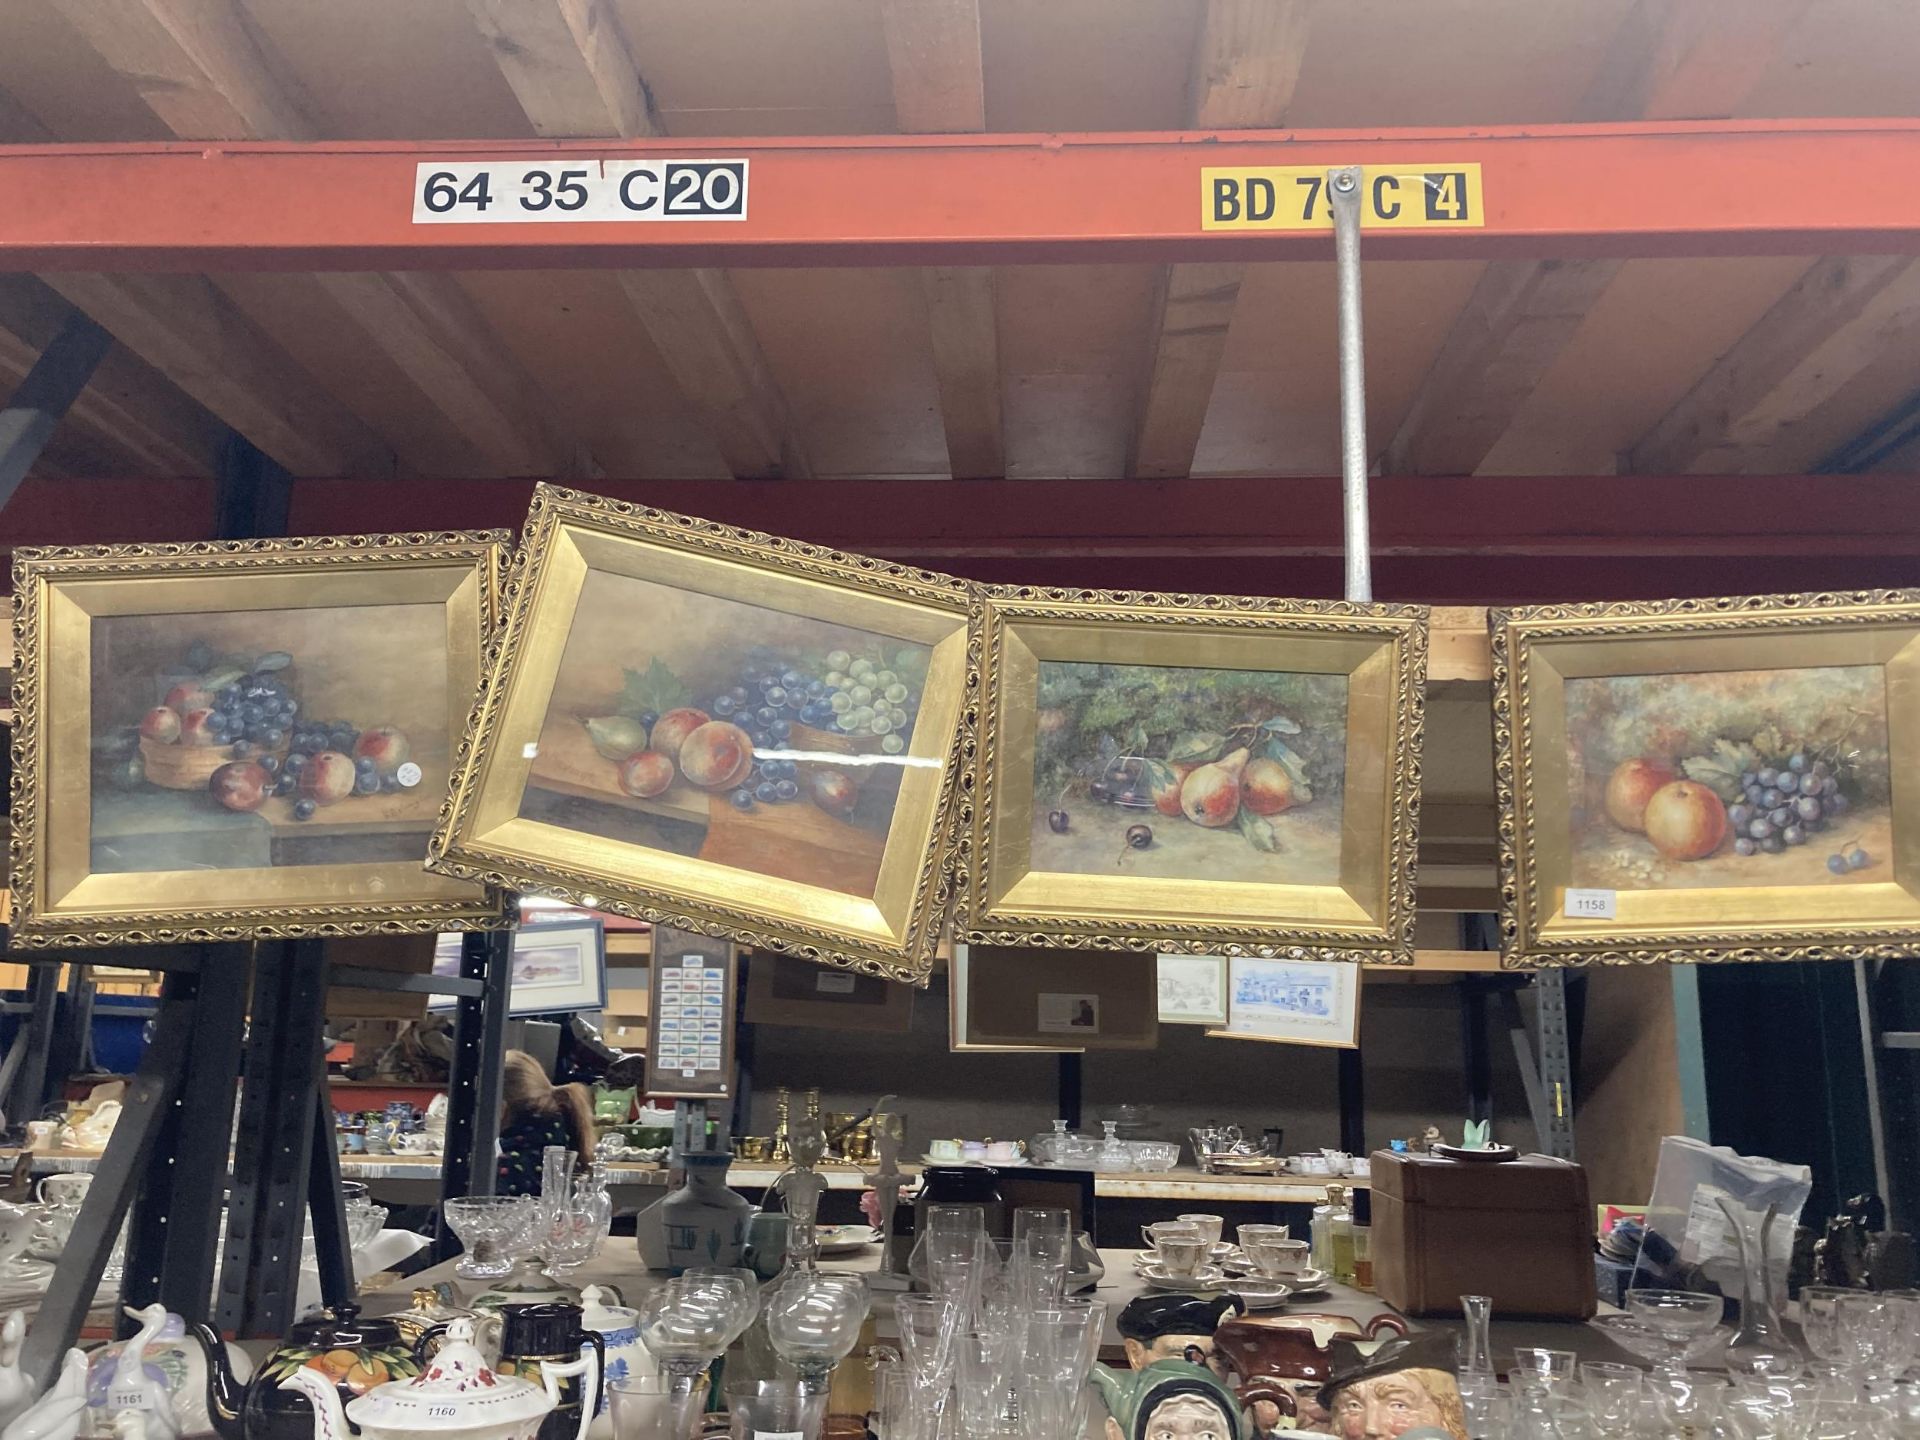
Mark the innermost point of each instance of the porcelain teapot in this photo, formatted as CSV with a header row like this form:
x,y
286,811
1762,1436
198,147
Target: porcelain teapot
x,y
455,1398
347,1353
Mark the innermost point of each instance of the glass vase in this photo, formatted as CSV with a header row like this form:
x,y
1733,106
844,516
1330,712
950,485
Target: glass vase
x,y
1760,1346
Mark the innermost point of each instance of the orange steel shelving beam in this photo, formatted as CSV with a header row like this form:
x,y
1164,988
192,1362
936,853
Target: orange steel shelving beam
x,y
1707,188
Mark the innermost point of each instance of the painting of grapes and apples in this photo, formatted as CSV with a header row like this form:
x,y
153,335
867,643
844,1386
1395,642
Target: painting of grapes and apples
x,y
728,731
264,738
1746,777
1189,774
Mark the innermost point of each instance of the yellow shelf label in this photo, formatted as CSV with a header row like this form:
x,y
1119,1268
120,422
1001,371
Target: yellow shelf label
x,y
1294,197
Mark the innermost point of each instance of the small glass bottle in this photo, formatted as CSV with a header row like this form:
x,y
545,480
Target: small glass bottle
x,y
1363,1240
1340,1236
1318,1232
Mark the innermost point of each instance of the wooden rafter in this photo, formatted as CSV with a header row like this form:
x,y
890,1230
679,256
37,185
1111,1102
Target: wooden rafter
x,y
1837,320
1245,66
1669,60
194,335
939,87
574,74
139,414
203,70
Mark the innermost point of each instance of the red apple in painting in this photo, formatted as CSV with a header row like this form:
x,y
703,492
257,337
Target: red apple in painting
x,y
188,695
327,778
160,723
386,747
1266,787
1210,796
671,730
1685,820
715,756
1631,786
240,785
834,793
645,774
196,728
1166,781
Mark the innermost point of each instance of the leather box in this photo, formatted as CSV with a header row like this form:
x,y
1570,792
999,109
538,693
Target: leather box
x,y
1520,1232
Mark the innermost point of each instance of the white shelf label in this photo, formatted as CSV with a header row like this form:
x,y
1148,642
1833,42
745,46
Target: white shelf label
x,y
1590,904
494,192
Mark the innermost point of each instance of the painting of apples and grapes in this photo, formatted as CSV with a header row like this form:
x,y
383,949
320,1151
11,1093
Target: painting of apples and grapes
x,y
1177,773
728,731
265,738
1735,778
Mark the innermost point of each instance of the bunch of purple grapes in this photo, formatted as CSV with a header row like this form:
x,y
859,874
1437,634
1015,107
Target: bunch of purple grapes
x,y
1784,804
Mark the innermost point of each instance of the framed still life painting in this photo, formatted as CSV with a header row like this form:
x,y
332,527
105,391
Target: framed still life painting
x,y
1709,779
718,731
243,739
1193,774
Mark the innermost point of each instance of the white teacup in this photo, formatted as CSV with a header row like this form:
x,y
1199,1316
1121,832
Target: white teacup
x,y
1181,1256
1209,1226
62,1189
1171,1229
1274,1257
1003,1152
944,1149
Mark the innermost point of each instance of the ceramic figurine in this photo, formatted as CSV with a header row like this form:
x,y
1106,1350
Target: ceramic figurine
x,y
58,1414
1283,1360
15,1393
171,1361
132,1390
456,1398
1172,1327
1840,1256
889,1136
1168,1400
1405,1384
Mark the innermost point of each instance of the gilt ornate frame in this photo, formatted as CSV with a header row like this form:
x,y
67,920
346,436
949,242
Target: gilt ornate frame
x,y
1537,648
568,536
59,901
1366,916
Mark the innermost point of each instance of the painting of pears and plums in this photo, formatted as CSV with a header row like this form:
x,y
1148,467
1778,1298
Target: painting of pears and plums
x,y
1189,774
264,738
727,731
1733,778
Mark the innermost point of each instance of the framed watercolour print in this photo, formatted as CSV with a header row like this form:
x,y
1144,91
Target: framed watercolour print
x,y
1193,989
1193,774
718,731
234,739
1709,779
1293,1002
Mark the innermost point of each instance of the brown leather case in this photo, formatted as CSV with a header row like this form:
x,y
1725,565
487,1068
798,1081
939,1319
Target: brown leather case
x,y
1520,1232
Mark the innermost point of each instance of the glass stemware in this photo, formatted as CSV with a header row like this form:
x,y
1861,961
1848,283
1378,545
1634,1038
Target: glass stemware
x,y
813,1323
1680,1320
928,1324
486,1225
1042,1250
688,1323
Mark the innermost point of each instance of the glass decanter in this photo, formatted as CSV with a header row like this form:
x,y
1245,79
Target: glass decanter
x,y
1760,1346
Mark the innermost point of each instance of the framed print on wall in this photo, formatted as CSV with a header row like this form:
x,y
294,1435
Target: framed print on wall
x,y
719,731
1708,779
1193,774
1193,989
1293,1002
243,738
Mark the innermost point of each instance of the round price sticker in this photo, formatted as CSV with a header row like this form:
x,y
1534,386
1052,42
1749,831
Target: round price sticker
x,y
408,775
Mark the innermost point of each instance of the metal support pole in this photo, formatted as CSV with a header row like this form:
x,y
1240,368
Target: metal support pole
x,y
1343,185
1353,1103
325,1202
1556,1061
34,410
174,1231
473,1084
26,1095
1071,1089
1870,1056
83,1259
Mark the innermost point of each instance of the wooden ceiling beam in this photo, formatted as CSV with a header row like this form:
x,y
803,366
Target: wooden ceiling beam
x,y
194,335
201,68
572,70
939,88
1669,60
131,407
1246,64
430,327
1843,315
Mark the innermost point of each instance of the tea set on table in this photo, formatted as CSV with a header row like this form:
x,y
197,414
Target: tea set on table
x,y
1265,1268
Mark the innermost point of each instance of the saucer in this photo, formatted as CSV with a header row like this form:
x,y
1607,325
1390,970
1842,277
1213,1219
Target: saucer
x,y
1297,1280
1208,1278
1260,1294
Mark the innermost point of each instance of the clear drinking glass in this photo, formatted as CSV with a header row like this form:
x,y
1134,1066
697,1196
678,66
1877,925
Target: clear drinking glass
x,y
1611,1394
775,1407
928,1325
1042,1248
980,1378
1551,1369
1475,1344
1847,1420
813,1323
640,1407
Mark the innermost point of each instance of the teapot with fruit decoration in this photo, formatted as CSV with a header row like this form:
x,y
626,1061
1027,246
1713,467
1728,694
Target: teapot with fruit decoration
x,y
350,1354
455,1398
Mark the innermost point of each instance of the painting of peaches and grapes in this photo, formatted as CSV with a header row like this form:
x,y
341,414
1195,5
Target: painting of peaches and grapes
x,y
729,732
266,738
1760,777
1189,774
